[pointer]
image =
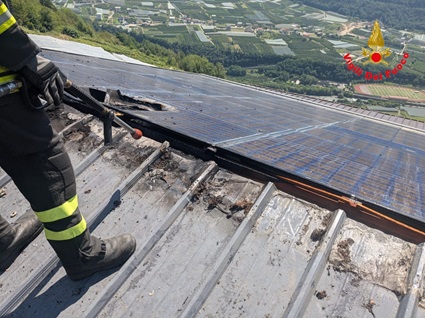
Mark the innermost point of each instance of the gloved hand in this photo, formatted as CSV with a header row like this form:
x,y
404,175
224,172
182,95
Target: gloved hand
x,y
46,78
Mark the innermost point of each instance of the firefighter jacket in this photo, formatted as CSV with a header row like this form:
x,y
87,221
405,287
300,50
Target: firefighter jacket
x,y
16,48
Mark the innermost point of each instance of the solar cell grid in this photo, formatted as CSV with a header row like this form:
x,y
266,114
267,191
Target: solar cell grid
x,y
323,171
346,152
309,122
290,126
348,170
365,124
343,139
367,145
201,127
365,158
399,193
310,164
308,140
296,165
263,157
328,146
351,171
282,152
253,146
420,164
408,168
327,134
406,138
328,165
278,151
378,179
387,165
253,119
378,130
338,155
400,196
304,158
393,153
296,110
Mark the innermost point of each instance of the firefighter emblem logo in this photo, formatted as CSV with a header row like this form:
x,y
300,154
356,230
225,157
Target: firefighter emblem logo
x,y
378,53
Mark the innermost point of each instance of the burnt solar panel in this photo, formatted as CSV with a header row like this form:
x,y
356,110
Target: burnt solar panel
x,y
333,145
363,158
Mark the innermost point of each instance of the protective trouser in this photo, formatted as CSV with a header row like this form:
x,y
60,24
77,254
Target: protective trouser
x,y
34,157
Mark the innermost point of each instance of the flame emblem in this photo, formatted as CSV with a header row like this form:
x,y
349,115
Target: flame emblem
x,y
376,42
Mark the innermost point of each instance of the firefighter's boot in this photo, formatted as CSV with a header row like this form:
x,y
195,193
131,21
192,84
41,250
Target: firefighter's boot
x,y
16,236
85,254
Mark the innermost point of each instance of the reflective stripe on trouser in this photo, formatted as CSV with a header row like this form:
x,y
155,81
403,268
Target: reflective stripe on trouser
x,y
63,216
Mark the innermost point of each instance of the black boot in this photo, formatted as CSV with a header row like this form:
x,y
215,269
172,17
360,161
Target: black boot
x,y
85,255
16,236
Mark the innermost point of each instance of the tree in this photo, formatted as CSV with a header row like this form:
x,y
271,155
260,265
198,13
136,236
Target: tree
x,y
219,70
283,76
236,70
308,79
46,20
196,64
48,4
70,32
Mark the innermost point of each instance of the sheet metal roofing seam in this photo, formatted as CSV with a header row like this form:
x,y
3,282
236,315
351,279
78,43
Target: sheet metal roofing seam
x,y
128,268
409,304
4,180
15,298
226,256
87,161
307,284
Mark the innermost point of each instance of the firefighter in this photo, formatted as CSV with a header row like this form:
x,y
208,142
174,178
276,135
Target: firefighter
x,y
32,154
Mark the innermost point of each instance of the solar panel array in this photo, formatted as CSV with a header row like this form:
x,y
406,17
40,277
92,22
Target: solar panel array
x,y
337,146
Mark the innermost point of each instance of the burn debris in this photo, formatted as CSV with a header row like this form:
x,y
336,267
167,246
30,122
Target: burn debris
x,y
321,294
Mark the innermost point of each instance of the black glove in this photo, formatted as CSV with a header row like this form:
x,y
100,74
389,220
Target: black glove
x,y
46,78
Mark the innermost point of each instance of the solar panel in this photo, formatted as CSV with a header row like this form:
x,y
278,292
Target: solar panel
x,y
377,162
374,164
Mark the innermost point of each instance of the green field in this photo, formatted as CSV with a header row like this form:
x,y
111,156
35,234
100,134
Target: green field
x,y
419,66
391,91
305,29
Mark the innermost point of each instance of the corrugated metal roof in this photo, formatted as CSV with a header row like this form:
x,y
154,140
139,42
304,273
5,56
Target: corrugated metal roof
x,y
211,243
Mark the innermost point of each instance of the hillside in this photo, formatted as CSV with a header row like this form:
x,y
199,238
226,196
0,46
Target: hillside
x,y
398,14
303,57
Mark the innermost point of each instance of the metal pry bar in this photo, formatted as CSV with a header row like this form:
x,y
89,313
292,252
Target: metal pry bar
x,y
107,115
